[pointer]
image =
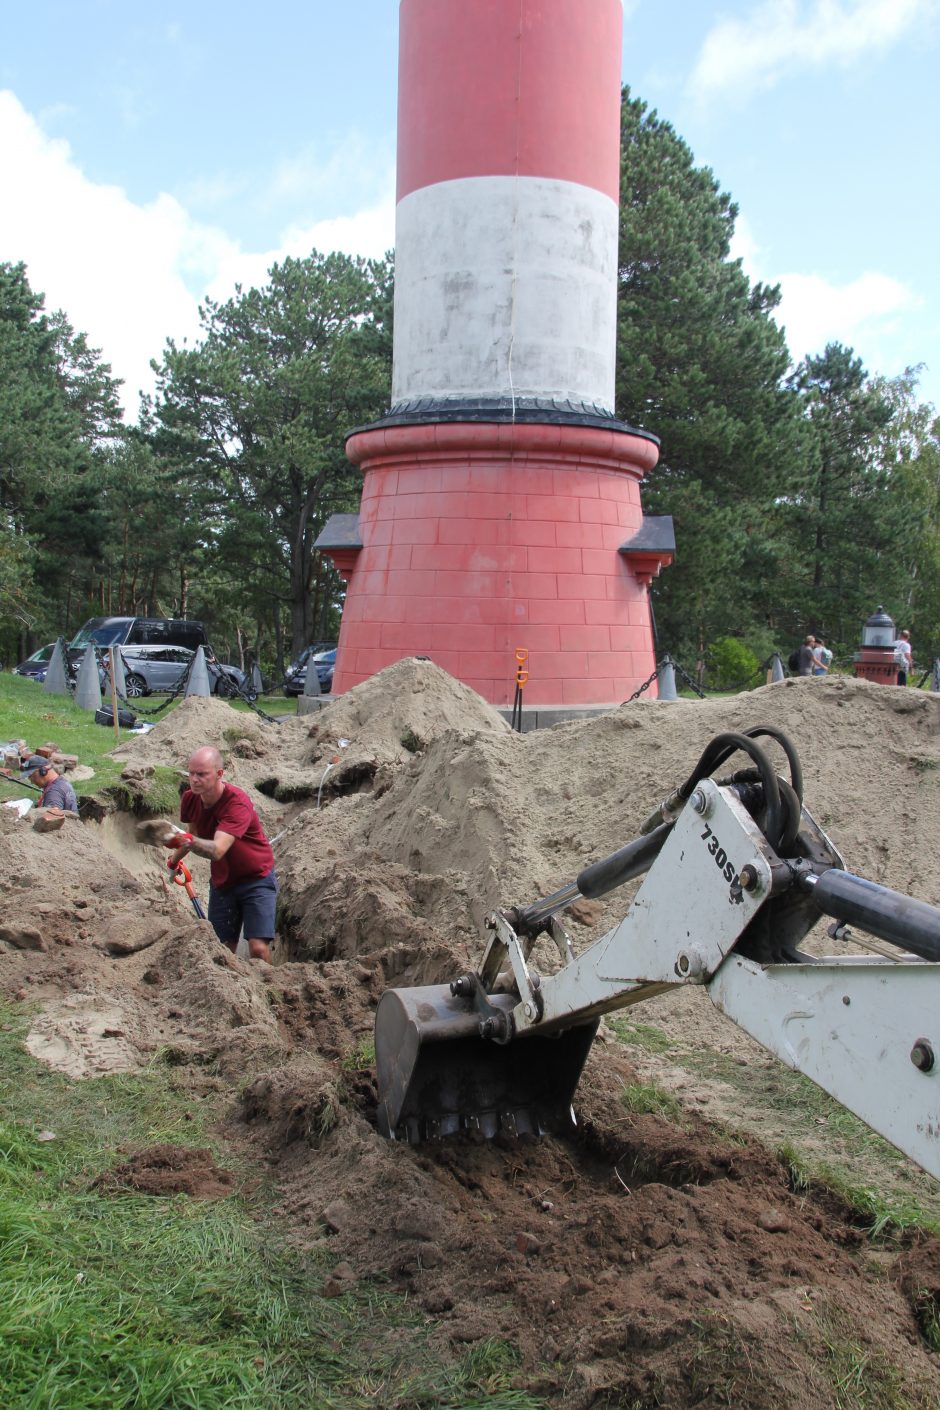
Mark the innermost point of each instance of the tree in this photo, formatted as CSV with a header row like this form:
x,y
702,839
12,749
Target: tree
x,y
260,409
58,408
845,516
908,447
701,364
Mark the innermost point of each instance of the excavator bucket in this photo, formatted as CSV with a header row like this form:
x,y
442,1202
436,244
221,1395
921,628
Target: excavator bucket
x,y
437,1077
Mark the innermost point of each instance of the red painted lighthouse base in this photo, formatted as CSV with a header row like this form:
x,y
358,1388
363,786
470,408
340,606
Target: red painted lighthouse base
x,y
479,539
877,663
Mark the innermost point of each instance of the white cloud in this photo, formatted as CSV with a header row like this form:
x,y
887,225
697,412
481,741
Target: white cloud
x,y
119,271
867,313
863,314
740,55
128,275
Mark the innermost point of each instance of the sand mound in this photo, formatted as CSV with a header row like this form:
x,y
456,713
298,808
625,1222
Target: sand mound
x,y
639,1264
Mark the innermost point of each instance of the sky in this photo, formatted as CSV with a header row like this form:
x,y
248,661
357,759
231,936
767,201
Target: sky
x,y
151,156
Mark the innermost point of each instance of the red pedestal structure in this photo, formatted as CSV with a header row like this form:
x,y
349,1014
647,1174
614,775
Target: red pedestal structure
x,y
500,505
877,663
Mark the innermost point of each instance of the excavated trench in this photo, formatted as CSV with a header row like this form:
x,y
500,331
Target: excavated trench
x,y
646,1261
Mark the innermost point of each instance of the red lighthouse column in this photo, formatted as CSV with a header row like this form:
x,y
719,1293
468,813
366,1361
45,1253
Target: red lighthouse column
x,y
500,494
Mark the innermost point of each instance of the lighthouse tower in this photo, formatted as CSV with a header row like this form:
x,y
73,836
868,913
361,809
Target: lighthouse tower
x,y
500,503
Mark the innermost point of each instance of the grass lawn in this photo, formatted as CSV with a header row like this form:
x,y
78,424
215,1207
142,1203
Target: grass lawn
x,y
28,712
171,1303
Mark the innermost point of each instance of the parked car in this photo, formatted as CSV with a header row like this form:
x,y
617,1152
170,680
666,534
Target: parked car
x,y
149,669
35,666
137,631
324,662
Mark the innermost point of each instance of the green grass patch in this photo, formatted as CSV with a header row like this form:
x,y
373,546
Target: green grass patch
x,y
28,712
641,1035
649,1099
178,1304
862,1377
361,1056
868,1173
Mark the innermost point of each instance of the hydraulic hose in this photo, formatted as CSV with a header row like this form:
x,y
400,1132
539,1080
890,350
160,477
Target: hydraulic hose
x,y
715,754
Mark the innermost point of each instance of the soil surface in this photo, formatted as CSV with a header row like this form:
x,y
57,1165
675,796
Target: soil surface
x,y
168,1170
649,1259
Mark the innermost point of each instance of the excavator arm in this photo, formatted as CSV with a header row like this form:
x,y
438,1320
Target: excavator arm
x,y
735,874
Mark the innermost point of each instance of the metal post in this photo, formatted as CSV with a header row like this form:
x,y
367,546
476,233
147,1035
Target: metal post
x,y
88,685
667,679
198,683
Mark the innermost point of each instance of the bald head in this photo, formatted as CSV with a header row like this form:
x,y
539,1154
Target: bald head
x,y
205,774
208,757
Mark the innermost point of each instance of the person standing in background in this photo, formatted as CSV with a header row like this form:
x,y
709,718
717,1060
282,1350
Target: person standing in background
x,y
822,658
807,660
903,656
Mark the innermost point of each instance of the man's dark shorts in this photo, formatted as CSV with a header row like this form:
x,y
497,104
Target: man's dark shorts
x,y
251,904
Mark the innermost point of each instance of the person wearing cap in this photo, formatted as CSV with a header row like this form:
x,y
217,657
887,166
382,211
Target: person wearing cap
x,y
224,827
56,792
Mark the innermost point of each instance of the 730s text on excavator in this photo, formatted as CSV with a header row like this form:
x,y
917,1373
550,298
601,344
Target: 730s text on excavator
x,y
735,874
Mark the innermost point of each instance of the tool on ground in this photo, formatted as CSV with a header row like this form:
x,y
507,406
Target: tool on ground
x,y
737,873
522,676
7,776
183,877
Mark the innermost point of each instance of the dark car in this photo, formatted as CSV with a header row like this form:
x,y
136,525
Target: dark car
x,y
324,661
149,669
35,666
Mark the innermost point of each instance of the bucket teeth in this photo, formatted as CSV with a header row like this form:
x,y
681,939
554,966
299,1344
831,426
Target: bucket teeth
x,y
481,1126
438,1078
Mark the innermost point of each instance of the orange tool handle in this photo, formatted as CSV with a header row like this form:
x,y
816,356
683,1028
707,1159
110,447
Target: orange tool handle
x,y
181,873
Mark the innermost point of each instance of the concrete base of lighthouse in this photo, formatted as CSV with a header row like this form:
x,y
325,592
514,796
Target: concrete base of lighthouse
x,y
477,539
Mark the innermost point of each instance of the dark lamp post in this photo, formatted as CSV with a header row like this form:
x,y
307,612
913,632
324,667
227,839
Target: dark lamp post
x,y
875,661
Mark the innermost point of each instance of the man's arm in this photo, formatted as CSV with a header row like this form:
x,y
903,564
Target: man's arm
x,y
213,848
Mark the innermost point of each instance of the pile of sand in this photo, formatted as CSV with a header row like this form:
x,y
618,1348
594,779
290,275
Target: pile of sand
x,y
404,811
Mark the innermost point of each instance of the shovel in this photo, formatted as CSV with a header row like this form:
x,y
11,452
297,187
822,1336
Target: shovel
x,y
183,877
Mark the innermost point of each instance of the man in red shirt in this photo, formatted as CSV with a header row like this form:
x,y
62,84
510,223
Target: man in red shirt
x,y
223,826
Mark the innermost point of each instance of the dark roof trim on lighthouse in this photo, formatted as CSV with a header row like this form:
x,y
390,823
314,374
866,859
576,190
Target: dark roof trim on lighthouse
x,y
339,531
655,535
526,411
651,549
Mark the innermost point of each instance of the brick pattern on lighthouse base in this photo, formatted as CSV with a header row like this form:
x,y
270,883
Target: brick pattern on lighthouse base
x,y
478,539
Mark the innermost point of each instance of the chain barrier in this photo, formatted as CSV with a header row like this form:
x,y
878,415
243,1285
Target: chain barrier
x,y
690,682
178,689
703,690
645,686
236,691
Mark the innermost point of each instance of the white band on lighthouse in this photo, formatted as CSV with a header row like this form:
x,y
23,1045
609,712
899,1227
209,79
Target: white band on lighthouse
x,y
505,286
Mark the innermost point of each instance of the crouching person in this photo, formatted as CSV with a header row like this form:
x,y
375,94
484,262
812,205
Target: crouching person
x,y
223,826
57,794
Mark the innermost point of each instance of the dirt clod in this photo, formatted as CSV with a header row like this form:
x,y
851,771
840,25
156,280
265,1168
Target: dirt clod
x,y
168,1170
